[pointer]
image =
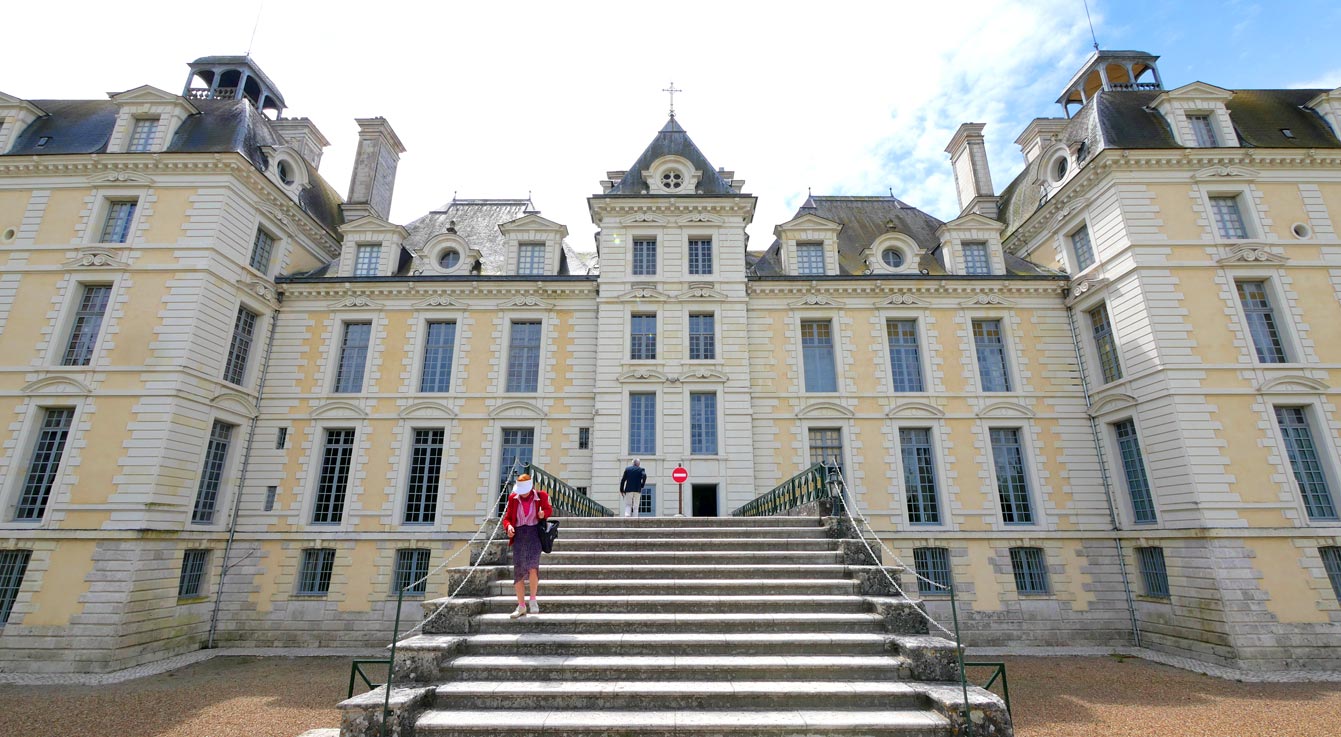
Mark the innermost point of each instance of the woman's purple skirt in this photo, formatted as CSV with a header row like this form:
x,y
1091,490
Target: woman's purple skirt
x,y
525,551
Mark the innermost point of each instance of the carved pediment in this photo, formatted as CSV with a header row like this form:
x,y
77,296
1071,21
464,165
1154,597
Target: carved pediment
x,y
825,409
915,410
645,217
428,411
1292,383
527,301
355,302
518,409
642,374
701,217
338,409
439,301
899,299
703,373
1251,255
234,402
643,291
1112,403
128,177
815,299
1068,210
55,385
1082,287
983,299
261,289
97,257
1226,172
701,291
1005,409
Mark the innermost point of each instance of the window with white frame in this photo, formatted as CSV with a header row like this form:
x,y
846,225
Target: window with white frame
x,y
905,355
990,345
353,357
116,224
1306,462
826,445
262,247
13,566
239,348
1203,130
87,323
211,473
647,503
703,423
412,571
143,133
1255,298
1154,574
642,423
1331,563
531,258
421,492
1105,344
932,565
337,455
1228,213
191,581
1133,469
642,337
702,337
817,356
584,438
700,256
919,475
524,357
810,259
976,258
436,373
1082,248
644,257
367,259
44,463
1012,482
1030,568
314,571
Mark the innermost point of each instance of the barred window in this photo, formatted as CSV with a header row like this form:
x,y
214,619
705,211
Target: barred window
x,y
702,337
905,356
142,135
1203,131
642,337
13,564
438,345
644,257
703,423
353,357
991,349
584,438
919,476
531,258
524,357
1105,344
1082,248
1154,576
933,564
826,445
1331,562
191,582
261,248
1031,570
87,323
44,464
314,573
211,475
1011,482
1228,217
116,226
1305,462
411,569
1133,467
810,258
367,259
642,423
239,348
337,455
817,356
1267,340
976,260
700,256
421,495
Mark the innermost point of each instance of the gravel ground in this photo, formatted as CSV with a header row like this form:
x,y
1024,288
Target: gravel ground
x,y
1052,697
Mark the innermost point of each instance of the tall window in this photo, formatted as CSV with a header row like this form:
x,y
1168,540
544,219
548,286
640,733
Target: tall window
x,y
1331,562
13,564
642,337
411,568
702,337
932,564
991,349
644,257
976,260
1228,217
647,503
336,456
524,357
1154,576
116,227
437,370
1105,344
421,495
314,573
211,474
817,356
810,258
1012,484
1305,462
366,260
703,423
919,476
192,579
1133,467
642,423
1082,248
531,258
1031,570
44,463
1203,132
700,256
262,246
584,438
87,323
826,445
905,357
353,357
239,348
518,449
1267,342
142,135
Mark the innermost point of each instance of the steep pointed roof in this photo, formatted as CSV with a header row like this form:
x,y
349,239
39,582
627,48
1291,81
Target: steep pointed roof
x,y
672,140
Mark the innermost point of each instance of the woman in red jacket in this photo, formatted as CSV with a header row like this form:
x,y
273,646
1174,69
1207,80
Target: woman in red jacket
x,y
527,507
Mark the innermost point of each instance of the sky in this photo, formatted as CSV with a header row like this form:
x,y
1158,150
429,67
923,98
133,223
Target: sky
x,y
502,99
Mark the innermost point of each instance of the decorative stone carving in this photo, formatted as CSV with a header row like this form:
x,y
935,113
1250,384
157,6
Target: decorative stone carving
x,y
815,299
264,290
356,301
96,257
1252,255
1220,172
642,374
700,291
527,300
644,292
1082,287
438,300
120,175
986,298
894,300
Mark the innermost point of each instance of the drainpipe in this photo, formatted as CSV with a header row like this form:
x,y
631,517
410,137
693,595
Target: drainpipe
x,y
242,476
1103,473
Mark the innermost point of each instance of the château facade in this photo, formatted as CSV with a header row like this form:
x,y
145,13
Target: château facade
x,y
1101,401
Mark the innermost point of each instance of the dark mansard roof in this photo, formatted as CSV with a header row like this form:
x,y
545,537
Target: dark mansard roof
x,y
672,140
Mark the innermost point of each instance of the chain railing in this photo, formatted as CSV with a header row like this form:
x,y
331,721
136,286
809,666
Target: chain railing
x,y
567,500
810,485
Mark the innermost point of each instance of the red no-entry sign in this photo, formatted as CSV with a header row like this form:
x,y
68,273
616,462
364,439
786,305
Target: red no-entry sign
x,y
679,475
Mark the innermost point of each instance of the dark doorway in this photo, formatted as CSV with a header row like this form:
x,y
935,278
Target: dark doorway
x,y
704,499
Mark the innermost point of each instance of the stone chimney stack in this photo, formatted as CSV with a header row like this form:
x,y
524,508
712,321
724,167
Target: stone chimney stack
x,y
303,135
973,178
374,176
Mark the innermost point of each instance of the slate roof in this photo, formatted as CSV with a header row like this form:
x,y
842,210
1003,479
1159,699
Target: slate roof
x,y
672,140
863,219
476,222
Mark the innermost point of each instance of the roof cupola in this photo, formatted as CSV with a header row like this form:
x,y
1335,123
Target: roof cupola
x,y
1115,71
233,78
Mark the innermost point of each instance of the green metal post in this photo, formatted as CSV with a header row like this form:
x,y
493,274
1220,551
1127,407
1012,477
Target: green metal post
x,y
391,666
959,651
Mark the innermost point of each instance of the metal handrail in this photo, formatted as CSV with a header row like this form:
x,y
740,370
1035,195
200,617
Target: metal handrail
x,y
566,499
356,672
810,485
998,674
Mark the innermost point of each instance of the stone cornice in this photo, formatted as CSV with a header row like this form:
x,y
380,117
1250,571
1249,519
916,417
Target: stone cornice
x,y
458,293
883,290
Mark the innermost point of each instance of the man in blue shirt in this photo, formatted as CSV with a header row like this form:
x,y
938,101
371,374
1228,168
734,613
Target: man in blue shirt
x,y
631,487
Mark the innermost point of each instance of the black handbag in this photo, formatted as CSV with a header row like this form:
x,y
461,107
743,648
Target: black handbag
x,y
549,530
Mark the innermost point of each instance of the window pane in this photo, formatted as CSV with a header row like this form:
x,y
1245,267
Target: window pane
x,y
810,258
531,258
524,357
826,445
1133,467
976,260
421,496
1011,482
411,568
905,358
116,228
1331,562
193,573
584,438
437,370
1203,131
647,503
1081,246
933,564
817,356
1228,217
13,564
314,576
1105,344
366,260
239,349
703,423
518,446
336,457
87,323
702,338
353,357
1154,576
1031,570
1304,461
1261,321
919,476
45,462
261,248
991,347
142,135
211,474
644,257
642,423
700,256
642,337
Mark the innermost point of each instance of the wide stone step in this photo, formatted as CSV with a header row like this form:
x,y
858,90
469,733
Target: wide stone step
x,y
740,586
683,522
698,558
573,544
656,623
720,569
694,643
616,723
680,667
691,694
686,603
577,529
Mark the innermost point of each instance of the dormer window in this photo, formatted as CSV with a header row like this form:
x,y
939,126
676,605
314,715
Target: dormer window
x,y
142,135
810,259
1059,168
1203,130
893,257
672,180
449,258
367,259
284,170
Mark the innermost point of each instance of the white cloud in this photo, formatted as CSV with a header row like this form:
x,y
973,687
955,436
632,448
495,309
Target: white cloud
x,y
1326,81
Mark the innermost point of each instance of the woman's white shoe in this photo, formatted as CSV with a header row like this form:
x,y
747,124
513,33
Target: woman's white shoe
x,y
535,607
520,611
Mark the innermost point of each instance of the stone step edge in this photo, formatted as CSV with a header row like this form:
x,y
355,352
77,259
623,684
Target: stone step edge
x,y
798,721
589,687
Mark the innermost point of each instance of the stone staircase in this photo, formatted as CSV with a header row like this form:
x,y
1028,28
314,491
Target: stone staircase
x,y
689,626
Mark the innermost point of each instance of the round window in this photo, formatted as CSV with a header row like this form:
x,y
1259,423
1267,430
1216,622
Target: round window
x,y
672,180
892,257
449,258
1301,230
284,172
1059,168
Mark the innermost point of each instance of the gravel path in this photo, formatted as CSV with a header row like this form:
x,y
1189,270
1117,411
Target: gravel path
x,y
1052,697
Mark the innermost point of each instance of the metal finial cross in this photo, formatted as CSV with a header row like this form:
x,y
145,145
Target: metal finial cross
x,y
671,89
